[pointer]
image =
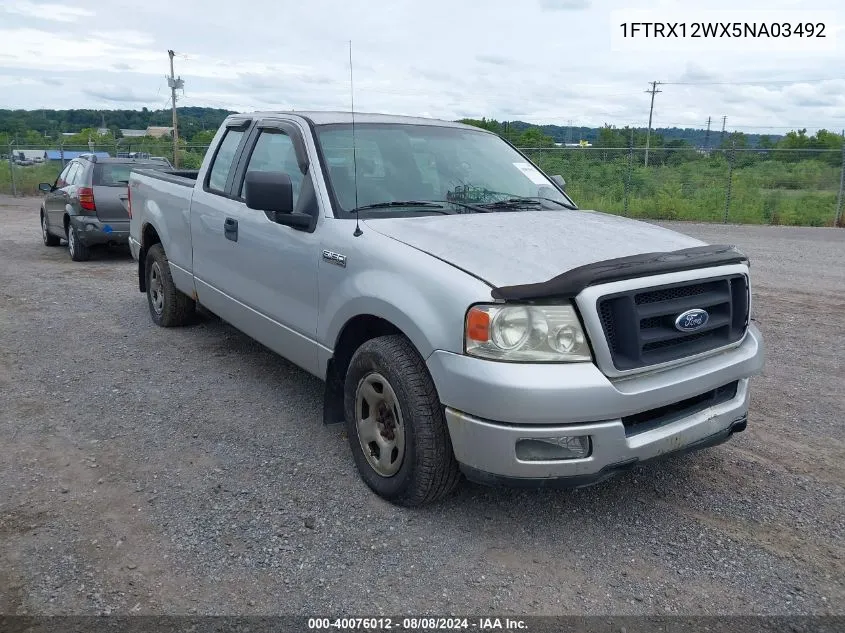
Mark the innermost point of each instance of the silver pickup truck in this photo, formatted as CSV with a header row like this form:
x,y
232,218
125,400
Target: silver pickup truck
x,y
465,316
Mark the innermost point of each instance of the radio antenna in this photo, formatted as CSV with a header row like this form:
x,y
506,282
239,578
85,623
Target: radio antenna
x,y
354,146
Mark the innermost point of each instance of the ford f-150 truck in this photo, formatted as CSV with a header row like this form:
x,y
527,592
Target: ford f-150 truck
x,y
465,316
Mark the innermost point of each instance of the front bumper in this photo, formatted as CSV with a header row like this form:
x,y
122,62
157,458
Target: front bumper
x,y
486,450
92,231
490,406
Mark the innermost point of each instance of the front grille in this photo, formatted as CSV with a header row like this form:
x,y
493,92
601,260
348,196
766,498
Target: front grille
x,y
654,418
639,324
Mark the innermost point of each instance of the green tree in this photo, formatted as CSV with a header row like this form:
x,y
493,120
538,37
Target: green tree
x,y
533,137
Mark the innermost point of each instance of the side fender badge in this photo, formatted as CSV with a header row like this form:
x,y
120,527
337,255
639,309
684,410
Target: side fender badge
x,y
335,258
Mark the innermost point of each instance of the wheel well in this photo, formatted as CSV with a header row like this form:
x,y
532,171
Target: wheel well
x,y
149,237
355,333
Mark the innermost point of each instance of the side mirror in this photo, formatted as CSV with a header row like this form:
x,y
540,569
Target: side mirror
x,y
45,186
269,191
560,181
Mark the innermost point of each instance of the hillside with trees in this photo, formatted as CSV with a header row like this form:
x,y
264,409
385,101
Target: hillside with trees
x,y
29,127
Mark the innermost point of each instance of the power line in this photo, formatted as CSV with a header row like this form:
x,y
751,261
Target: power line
x,y
750,83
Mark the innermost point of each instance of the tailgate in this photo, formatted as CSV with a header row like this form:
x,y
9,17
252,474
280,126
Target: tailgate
x,y
112,204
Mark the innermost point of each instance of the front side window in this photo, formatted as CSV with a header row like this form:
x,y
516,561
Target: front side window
x,y
274,151
401,162
223,160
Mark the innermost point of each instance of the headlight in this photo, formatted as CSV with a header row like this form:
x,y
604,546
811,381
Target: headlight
x,y
549,334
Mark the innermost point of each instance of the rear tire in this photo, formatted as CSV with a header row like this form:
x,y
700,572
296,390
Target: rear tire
x,y
168,306
49,238
78,251
391,405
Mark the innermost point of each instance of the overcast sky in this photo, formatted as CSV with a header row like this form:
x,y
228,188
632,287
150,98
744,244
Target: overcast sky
x,y
545,61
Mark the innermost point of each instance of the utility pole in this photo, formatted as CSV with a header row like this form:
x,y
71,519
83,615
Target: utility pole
x,y
12,169
653,92
707,136
837,220
722,135
174,83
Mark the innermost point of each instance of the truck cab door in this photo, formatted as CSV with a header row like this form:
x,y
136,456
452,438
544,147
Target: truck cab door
x,y
263,273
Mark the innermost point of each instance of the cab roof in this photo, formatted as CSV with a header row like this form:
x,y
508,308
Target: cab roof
x,y
329,117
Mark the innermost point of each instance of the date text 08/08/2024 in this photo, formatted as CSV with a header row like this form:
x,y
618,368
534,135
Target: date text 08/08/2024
x,y
416,624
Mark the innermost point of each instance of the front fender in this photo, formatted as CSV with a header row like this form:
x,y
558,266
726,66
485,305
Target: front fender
x,y
382,298
427,303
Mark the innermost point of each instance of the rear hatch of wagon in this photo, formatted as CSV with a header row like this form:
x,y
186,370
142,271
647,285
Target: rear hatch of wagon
x,y
110,182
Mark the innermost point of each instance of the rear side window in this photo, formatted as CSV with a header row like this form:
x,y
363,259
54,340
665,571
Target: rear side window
x,y
223,160
74,175
117,174
61,181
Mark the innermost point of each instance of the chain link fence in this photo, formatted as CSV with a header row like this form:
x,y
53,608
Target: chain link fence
x,y
734,185
730,185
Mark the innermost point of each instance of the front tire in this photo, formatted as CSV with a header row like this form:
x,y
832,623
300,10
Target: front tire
x,y
395,423
49,238
78,251
168,306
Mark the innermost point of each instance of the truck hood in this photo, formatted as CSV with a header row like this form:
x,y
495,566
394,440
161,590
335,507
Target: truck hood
x,y
526,247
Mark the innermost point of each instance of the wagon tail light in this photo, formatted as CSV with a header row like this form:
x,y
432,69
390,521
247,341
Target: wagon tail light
x,y
86,199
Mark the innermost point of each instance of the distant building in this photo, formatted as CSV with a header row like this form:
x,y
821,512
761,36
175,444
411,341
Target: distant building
x,y
159,132
153,130
55,154
29,155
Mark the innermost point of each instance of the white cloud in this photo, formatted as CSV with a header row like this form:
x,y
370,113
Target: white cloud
x,y
440,58
565,5
55,12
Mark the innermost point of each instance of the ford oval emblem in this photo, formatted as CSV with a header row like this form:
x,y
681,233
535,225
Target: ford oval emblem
x,y
692,320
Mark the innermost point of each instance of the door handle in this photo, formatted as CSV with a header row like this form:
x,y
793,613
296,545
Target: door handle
x,y
230,229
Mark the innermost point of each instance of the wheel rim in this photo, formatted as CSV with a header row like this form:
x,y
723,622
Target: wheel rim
x,y
381,430
71,241
156,290
44,228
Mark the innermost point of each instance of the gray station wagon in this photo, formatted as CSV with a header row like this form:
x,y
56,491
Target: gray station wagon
x,y
87,204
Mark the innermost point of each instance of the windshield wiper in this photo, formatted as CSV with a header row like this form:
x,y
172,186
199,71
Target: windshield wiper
x,y
565,205
520,202
400,203
513,203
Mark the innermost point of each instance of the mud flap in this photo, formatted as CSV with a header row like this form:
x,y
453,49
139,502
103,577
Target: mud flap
x,y
333,397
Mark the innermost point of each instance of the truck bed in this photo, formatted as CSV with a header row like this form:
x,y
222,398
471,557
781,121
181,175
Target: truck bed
x,y
184,177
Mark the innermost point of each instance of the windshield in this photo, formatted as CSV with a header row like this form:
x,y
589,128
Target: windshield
x,y
426,163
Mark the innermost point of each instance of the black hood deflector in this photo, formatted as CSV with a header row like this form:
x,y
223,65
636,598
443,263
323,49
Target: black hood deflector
x,y
569,284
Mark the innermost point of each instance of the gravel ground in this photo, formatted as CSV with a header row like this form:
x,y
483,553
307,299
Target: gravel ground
x,y
145,470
